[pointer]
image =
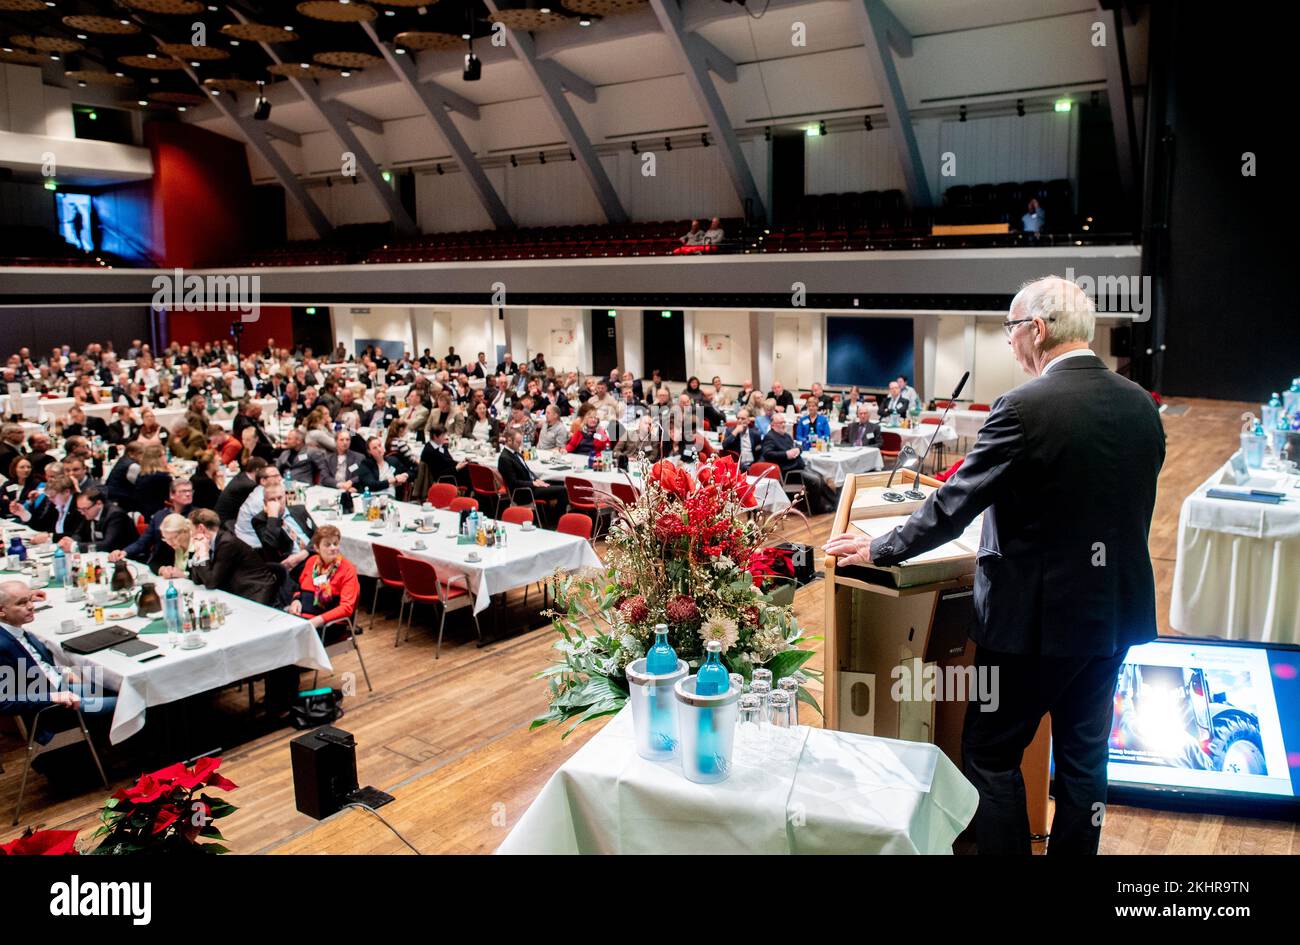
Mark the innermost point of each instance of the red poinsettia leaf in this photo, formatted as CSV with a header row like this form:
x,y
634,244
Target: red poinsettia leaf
x,y
166,817
42,843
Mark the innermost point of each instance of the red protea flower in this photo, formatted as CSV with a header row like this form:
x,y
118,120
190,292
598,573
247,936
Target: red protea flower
x,y
635,609
668,527
749,615
682,609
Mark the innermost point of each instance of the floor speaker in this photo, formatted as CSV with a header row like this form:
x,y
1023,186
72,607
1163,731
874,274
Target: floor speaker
x,y
324,770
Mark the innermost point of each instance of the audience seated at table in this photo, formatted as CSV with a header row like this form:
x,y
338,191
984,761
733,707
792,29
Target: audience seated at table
x,y
120,484
554,433
283,531
590,436
239,488
52,512
481,426
341,464
782,396
743,439
208,480
780,448
123,427
169,556
180,502
19,484
327,589
376,474
299,462
861,432
814,425
74,467
219,559
12,438
397,450
153,484
78,424
523,482
895,403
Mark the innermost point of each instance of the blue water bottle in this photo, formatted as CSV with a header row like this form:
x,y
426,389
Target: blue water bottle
x,y
1253,445
712,680
172,613
1269,412
17,549
59,570
661,660
1291,399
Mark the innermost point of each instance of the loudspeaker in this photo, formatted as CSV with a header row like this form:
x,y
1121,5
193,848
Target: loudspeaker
x,y
1121,341
324,770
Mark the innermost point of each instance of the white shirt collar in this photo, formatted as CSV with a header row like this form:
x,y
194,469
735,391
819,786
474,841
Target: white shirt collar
x,y
1076,353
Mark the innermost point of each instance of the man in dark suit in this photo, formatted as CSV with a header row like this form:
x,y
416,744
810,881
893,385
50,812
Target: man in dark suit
x,y
238,489
341,465
103,524
179,502
219,559
782,396
1065,472
285,532
54,514
519,478
743,439
861,432
895,402
479,368
440,465
779,447
507,365
381,414
80,425
298,462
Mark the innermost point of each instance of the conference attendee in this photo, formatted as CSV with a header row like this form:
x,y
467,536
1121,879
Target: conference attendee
x,y
78,425
481,426
812,426
153,484
375,473
1034,219
895,403
219,559
522,482
341,465
318,429
479,369
74,467
103,525
119,487
186,442
722,398
207,481
162,395
250,415
438,465
328,588
24,657
637,440
381,414
692,237
590,437
53,513
398,451
124,425
743,439
415,413
780,448
179,502
824,400
225,446
196,414
520,420
782,396
605,403
238,489
714,418
445,414
861,432
168,557
693,389
300,463
538,363
907,390
38,453
714,234
507,365
849,404
12,438
555,433
499,395
1065,470
452,358
284,532
151,431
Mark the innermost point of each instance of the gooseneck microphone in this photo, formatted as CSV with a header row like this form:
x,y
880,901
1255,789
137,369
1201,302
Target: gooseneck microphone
x,y
906,453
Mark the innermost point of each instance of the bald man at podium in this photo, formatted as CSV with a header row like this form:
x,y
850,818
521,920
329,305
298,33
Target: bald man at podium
x,y
1065,472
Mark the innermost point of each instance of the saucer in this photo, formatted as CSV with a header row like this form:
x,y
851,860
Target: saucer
x,y
185,645
528,527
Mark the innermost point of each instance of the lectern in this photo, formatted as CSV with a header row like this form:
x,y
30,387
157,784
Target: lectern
x,y
898,659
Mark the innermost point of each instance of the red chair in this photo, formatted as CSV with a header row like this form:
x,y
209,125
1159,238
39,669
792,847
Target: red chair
x,y
944,404
582,497
625,492
518,514
141,526
947,473
462,503
931,420
890,444
985,407
488,487
574,523
424,585
390,575
765,471
441,494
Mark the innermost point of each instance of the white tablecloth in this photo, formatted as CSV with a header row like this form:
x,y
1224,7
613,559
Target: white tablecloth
x,y
816,792
254,640
967,423
919,436
1237,574
840,462
528,556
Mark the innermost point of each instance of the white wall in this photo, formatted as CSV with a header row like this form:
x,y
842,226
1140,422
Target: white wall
x,y
737,366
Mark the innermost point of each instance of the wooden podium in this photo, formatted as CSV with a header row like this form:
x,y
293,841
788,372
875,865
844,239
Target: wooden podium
x,y
898,658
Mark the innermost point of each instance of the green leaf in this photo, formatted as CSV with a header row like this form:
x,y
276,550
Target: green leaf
x,y
806,696
787,661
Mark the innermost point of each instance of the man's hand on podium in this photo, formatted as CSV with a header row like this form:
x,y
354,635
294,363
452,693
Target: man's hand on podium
x,y
850,549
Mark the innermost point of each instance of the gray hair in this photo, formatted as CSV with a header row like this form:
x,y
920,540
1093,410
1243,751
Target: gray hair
x,y
1067,310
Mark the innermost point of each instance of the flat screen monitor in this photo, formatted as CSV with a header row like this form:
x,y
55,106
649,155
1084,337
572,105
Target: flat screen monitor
x,y
1208,725
74,220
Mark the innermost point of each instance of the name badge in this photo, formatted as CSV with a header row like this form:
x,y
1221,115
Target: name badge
x,y
302,457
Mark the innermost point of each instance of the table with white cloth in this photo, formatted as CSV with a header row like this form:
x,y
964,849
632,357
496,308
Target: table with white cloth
x,y
967,423
254,640
839,462
528,556
1237,574
800,790
920,435
557,466
56,407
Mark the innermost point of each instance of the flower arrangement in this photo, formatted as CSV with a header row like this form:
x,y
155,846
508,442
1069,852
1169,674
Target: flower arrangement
x,y
167,812
688,552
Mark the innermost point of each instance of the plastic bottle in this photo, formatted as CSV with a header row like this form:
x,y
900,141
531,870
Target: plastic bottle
x,y
661,658
1252,445
172,613
17,549
59,570
1269,412
1291,399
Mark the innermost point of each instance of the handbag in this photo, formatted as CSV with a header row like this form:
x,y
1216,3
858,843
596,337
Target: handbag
x,y
315,707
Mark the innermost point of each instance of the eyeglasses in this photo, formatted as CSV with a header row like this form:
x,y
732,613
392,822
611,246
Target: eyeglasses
x,y
1010,324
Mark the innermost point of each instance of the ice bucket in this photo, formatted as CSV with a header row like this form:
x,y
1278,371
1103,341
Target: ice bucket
x,y
706,728
654,709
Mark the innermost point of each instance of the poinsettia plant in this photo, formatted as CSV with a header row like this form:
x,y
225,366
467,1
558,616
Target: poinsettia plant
x,y
168,811
42,843
687,552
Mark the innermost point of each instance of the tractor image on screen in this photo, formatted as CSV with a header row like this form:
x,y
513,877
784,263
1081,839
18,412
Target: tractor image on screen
x,y
1172,715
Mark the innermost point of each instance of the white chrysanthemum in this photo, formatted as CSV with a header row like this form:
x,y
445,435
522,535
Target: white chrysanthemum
x,y
722,629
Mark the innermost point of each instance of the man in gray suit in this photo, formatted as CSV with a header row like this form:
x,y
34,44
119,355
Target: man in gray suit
x,y
298,462
341,465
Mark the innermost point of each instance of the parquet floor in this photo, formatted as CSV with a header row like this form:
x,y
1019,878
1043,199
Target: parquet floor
x,y
449,737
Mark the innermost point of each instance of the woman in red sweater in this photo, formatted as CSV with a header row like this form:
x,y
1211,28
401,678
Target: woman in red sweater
x,y
328,589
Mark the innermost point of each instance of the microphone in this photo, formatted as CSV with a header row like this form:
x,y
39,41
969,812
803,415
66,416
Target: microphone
x,y
915,493
905,456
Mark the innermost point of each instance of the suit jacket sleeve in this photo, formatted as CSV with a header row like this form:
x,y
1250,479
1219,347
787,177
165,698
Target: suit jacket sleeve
x,y
220,565
119,531
982,478
275,538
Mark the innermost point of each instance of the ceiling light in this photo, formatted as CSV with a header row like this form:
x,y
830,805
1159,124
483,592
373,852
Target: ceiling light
x,y
81,83
584,20
1063,105
704,139
668,144
866,122
234,42
635,149
388,178
400,51
611,312
961,113
464,35
142,103
51,185
346,74
180,108
262,109
216,92
151,55
195,64
390,13
812,131
125,22
119,74
81,36
544,10
54,57
93,116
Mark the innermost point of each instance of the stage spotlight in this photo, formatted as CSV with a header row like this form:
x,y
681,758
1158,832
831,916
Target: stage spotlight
x,y
961,113
635,149
1020,107
473,67
704,139
821,128
541,157
514,161
866,122
668,144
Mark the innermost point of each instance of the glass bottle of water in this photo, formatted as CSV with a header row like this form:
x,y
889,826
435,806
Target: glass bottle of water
x,y
712,678
1253,445
59,570
661,658
1269,411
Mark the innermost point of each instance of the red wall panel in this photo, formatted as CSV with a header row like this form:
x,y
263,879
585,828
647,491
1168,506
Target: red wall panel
x,y
275,321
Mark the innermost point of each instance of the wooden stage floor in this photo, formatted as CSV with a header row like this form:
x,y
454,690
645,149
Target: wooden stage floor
x,y
449,738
